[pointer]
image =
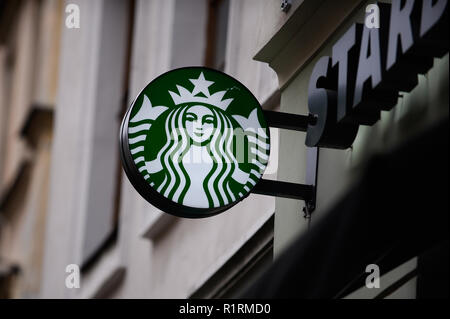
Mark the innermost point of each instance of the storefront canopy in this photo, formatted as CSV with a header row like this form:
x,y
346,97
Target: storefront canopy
x,y
397,210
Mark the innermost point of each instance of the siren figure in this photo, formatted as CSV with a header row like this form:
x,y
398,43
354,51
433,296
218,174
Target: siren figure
x,y
197,158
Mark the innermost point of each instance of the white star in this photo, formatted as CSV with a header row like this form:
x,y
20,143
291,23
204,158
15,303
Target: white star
x,y
201,85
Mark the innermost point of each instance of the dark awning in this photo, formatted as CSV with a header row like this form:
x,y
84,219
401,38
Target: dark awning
x,y
397,210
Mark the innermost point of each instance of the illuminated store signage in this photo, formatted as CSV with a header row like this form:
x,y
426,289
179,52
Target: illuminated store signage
x,y
194,142
369,67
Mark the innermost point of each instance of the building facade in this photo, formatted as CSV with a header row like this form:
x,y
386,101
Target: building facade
x,y
65,199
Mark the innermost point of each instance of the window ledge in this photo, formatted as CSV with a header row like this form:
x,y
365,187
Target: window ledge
x,y
107,274
7,189
37,114
155,222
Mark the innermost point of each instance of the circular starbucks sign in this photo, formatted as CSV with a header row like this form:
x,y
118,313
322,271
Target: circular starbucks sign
x,y
194,142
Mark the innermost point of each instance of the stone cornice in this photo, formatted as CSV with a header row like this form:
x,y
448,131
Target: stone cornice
x,y
301,37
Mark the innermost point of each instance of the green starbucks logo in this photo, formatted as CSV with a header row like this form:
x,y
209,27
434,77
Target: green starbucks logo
x,y
194,142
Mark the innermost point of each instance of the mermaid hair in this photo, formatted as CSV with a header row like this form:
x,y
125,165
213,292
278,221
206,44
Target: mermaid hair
x,y
176,182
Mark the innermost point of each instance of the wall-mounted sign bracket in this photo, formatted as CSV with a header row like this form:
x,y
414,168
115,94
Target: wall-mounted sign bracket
x,y
284,189
289,121
307,191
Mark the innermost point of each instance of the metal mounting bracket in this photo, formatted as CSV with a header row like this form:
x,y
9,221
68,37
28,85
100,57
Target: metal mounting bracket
x,y
307,191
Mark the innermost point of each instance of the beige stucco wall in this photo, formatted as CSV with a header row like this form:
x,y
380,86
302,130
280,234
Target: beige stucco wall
x,y
21,87
26,133
155,255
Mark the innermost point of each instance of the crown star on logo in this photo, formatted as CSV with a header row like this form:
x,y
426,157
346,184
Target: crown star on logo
x,y
201,85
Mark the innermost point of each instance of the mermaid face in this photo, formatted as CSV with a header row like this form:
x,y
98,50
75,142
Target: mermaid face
x,y
199,122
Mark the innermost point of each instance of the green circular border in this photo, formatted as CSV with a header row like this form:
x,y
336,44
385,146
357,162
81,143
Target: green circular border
x,y
148,192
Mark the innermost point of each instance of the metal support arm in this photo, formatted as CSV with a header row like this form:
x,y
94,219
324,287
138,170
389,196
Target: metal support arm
x,y
288,121
306,192
284,189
